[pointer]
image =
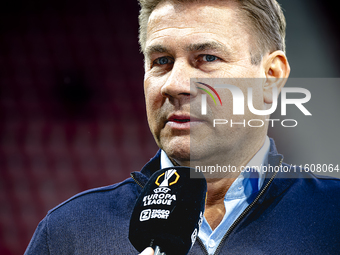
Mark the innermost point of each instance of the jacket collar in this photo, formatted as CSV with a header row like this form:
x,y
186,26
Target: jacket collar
x,y
274,159
152,166
282,180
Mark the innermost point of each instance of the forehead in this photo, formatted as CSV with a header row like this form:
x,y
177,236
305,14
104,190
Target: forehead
x,y
214,20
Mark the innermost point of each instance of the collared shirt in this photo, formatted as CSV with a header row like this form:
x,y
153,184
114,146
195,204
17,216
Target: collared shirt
x,y
240,194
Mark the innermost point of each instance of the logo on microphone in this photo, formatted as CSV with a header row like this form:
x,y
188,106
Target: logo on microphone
x,y
201,218
165,180
193,237
161,195
194,234
145,215
154,214
167,176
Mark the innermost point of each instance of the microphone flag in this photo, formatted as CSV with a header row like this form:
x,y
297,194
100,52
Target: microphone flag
x,y
169,211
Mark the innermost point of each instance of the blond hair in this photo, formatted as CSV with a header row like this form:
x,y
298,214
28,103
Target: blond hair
x,y
265,16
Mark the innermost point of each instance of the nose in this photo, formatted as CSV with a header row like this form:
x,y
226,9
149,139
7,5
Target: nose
x,y
178,85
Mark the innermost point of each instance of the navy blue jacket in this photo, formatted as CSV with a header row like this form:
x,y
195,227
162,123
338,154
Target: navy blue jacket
x,y
293,213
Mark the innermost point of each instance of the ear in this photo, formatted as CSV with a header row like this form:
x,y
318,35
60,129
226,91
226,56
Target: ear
x,y
277,70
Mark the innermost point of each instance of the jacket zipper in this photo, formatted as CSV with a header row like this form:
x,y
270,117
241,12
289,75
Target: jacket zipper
x,y
243,213
237,220
132,176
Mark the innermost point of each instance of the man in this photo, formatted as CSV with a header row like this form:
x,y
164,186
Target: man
x,y
278,213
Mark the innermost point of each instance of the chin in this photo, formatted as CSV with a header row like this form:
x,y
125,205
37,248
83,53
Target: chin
x,y
179,154
178,150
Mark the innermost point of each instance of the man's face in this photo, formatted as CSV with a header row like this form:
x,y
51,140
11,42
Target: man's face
x,y
196,40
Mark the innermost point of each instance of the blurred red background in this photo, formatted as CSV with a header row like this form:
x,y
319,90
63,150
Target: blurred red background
x,y
71,106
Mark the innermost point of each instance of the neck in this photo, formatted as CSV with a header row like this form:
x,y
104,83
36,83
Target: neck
x,y
219,184
214,208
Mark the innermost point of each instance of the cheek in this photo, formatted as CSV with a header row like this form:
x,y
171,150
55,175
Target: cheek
x,y
153,90
152,98
257,99
241,85
153,102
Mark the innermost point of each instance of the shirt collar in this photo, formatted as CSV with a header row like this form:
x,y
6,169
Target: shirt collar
x,y
165,161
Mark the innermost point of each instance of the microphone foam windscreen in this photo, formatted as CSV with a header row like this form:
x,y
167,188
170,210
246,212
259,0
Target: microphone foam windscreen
x,y
169,211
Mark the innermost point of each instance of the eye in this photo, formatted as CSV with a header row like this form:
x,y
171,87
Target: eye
x,y
163,61
209,58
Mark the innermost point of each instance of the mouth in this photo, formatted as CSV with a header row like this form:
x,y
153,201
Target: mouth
x,y
181,121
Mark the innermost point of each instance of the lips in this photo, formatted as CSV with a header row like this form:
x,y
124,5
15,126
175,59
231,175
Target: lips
x,y
181,121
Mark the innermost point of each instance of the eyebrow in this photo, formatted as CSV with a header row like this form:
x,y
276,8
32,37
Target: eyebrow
x,y
206,46
155,49
189,48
